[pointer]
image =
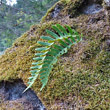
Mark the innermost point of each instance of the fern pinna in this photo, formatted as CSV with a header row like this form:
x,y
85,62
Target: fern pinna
x,y
51,48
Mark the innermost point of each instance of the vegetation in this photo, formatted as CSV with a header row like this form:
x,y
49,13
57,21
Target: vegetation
x,y
51,49
81,78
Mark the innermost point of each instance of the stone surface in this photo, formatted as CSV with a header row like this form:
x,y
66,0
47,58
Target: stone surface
x,y
81,78
56,11
12,93
91,7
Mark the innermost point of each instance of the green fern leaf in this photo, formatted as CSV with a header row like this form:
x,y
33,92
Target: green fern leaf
x,y
47,38
70,30
62,29
52,34
57,30
41,49
53,47
40,54
44,43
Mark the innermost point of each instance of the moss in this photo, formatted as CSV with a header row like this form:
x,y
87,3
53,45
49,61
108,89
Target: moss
x,y
103,63
48,16
92,49
68,8
11,106
81,77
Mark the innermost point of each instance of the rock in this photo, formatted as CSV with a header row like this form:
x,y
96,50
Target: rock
x,y
91,7
12,96
56,11
79,80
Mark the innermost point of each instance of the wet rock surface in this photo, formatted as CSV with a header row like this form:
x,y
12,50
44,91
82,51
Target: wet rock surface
x,y
91,7
56,11
11,92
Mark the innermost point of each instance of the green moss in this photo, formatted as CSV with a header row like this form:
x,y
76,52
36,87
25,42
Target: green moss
x,y
81,77
11,106
68,8
92,49
103,63
48,16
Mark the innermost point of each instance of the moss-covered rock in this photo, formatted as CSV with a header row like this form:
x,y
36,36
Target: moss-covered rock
x,y
81,78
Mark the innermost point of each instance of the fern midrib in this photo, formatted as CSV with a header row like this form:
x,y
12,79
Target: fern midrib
x,y
57,55
52,47
52,62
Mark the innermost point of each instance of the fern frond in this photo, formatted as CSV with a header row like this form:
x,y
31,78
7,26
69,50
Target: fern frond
x,y
53,47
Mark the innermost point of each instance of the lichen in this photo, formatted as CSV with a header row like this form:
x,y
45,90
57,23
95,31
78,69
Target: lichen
x,y
80,79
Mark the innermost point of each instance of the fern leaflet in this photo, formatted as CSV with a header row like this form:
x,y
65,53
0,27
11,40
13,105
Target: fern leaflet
x,y
52,47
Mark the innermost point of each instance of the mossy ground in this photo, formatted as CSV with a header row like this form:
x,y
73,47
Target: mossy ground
x,y
81,78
